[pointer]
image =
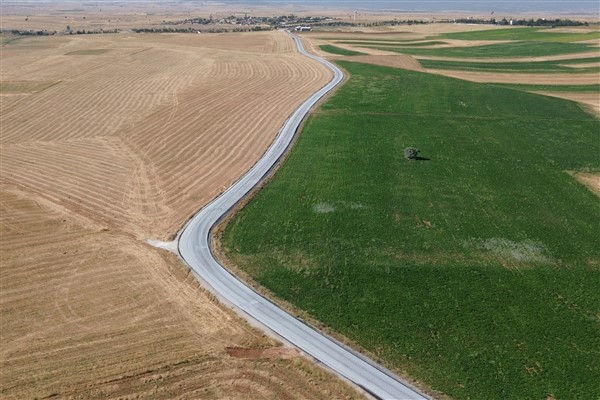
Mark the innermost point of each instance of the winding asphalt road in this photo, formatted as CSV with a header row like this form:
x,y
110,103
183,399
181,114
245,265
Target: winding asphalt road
x,y
194,248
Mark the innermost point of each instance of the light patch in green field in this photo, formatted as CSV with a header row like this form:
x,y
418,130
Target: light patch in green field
x,y
323,208
527,251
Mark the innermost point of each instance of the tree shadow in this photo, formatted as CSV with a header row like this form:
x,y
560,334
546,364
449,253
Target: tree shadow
x,y
418,159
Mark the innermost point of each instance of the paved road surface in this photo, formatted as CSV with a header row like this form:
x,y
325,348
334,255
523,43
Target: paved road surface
x,y
195,250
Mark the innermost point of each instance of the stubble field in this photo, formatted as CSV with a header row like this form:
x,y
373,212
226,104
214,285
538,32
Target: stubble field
x,y
108,141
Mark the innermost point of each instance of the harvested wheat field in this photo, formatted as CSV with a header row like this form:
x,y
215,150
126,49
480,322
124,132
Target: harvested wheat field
x,y
108,141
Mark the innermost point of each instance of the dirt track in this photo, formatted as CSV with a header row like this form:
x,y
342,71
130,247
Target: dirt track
x,y
91,169
516,78
394,61
591,100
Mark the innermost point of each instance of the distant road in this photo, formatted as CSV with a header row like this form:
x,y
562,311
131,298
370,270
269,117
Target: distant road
x,y
194,248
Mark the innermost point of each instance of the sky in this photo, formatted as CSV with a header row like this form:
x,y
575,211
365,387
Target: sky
x,y
587,6
481,6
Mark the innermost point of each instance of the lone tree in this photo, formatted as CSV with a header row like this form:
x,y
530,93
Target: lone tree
x,y
411,153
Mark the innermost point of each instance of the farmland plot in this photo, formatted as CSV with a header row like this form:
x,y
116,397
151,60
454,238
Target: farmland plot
x,y
558,58
475,269
110,141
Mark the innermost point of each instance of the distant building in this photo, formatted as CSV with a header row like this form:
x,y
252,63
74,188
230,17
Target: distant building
x,y
302,28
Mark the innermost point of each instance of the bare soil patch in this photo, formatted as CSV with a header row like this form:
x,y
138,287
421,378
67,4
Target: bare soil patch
x,y
268,353
583,65
590,179
395,61
558,57
535,79
125,148
591,100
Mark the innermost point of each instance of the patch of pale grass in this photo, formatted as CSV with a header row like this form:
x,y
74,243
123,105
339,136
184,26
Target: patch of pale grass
x,y
323,208
524,252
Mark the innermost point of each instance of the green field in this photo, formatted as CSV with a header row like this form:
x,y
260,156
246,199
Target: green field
x,y
337,50
551,88
560,66
391,43
512,49
525,34
476,269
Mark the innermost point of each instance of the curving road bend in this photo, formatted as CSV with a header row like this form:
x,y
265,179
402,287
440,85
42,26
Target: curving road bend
x,y
194,248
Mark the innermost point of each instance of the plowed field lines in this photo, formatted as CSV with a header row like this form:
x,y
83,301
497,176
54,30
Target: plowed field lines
x,y
104,105
125,147
212,129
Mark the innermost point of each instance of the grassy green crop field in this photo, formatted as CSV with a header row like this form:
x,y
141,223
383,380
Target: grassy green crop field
x,y
511,49
391,43
338,50
476,269
524,34
560,66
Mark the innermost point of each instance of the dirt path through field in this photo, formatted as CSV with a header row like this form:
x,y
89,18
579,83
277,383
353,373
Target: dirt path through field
x,y
558,57
592,100
517,78
394,61
125,147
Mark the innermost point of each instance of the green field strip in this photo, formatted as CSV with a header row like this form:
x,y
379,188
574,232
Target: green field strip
x,y
521,67
513,50
403,44
475,270
337,50
523,34
371,39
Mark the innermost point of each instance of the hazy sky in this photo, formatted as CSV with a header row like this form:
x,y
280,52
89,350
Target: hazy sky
x,y
480,6
446,5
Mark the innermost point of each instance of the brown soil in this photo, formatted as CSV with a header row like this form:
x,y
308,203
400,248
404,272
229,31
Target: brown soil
x,y
558,57
589,179
126,147
395,61
583,65
589,99
517,78
269,353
